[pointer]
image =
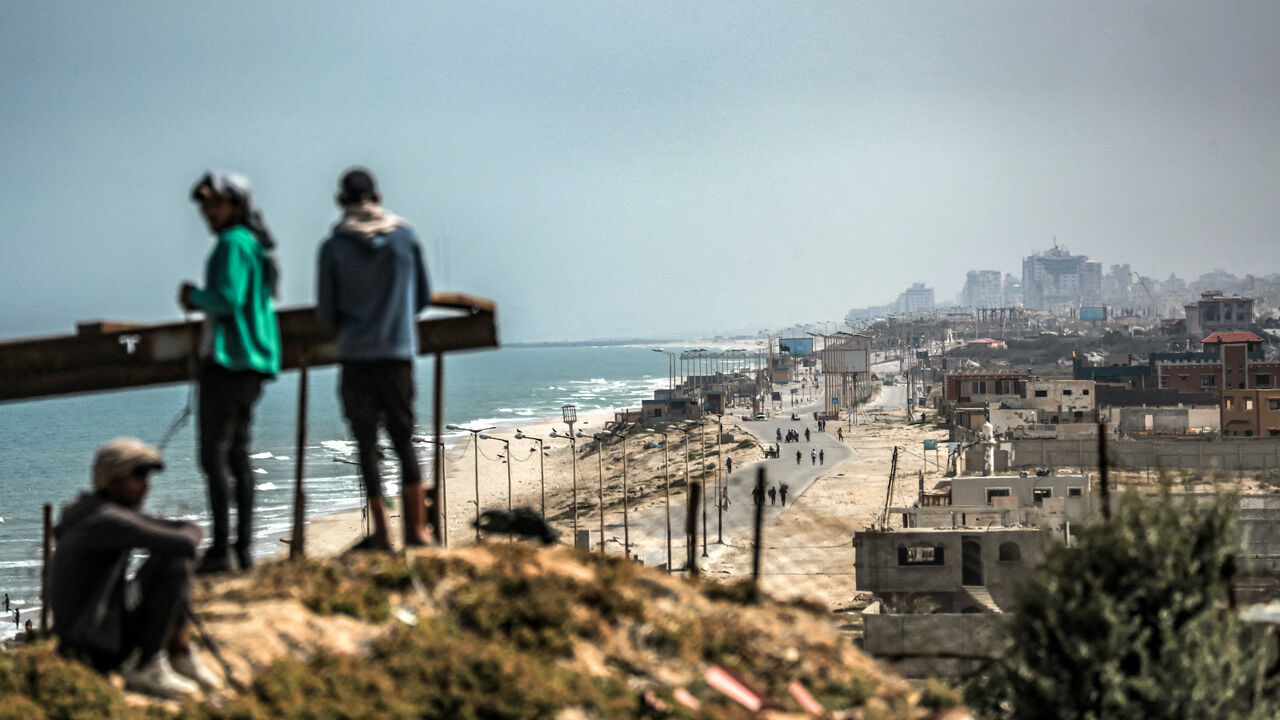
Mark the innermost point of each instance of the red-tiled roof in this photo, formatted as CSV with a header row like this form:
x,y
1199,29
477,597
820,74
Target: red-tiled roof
x,y
1231,337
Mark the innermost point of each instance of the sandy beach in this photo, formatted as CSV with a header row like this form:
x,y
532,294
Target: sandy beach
x,y
331,534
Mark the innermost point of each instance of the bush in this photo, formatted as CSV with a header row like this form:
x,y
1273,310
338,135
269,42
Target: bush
x,y
1134,620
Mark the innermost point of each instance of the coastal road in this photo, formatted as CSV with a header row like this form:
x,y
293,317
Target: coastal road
x,y
648,529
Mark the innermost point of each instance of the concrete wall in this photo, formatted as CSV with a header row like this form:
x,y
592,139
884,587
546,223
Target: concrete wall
x,y
1228,455
939,645
970,491
878,569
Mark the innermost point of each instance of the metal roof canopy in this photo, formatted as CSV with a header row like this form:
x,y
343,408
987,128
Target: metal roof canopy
x,y
112,356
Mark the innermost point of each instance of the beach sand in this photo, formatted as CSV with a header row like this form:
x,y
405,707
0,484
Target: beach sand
x,y
331,534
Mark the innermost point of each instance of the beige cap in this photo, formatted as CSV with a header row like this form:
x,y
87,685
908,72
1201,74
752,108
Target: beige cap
x,y
122,457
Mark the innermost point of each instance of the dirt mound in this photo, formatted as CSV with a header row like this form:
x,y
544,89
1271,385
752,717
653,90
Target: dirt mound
x,y
505,630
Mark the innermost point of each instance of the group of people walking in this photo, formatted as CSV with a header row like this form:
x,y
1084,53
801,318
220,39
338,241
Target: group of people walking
x,y
774,493
371,286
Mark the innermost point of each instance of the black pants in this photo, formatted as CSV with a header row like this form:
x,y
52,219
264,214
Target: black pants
x,y
226,409
380,393
164,586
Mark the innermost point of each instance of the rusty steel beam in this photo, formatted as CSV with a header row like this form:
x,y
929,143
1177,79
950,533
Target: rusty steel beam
x,y
111,356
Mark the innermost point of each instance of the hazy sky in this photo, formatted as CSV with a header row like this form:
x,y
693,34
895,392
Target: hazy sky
x,y
638,168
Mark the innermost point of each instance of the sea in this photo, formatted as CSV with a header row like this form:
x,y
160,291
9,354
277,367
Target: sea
x,y
47,446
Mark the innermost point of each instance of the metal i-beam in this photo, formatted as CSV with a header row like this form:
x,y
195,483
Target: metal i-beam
x,y
112,355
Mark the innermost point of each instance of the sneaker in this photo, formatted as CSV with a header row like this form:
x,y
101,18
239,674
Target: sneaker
x,y
158,679
189,665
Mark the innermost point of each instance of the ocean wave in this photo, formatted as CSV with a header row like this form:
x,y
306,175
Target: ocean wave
x,y
9,564
266,486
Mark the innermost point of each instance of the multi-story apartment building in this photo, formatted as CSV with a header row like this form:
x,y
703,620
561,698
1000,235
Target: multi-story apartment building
x,y
1059,281
983,289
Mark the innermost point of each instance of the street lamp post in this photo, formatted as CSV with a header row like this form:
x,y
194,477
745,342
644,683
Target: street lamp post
x,y
475,446
671,370
721,487
570,414
666,472
542,468
702,439
626,523
599,438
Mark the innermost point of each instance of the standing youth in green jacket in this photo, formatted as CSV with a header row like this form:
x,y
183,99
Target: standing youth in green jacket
x,y
240,350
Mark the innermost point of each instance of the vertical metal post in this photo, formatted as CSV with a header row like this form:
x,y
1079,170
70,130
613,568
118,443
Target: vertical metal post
x,y
691,528
600,471
440,494
666,464
702,439
542,482
297,543
1104,483
475,449
626,523
722,486
47,545
757,548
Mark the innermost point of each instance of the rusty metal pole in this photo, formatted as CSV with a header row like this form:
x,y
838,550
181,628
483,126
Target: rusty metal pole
x,y
600,470
44,570
1104,482
297,543
439,490
757,548
626,524
691,528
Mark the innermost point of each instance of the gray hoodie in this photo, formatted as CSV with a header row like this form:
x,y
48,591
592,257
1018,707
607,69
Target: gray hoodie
x,y
371,287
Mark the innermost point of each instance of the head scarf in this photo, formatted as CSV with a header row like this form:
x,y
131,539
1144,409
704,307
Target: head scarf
x,y
235,186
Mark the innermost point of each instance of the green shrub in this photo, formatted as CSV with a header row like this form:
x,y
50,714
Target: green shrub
x,y
1133,621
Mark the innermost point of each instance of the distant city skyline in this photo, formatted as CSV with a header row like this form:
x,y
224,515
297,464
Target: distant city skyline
x,y
607,169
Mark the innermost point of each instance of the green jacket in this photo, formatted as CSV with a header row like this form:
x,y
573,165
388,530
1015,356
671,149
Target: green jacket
x,y
237,300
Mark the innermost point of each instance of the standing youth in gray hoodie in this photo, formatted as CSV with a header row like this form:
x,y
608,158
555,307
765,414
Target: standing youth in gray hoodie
x,y
372,284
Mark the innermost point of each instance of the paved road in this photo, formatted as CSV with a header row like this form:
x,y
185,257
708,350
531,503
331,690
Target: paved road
x,y
648,528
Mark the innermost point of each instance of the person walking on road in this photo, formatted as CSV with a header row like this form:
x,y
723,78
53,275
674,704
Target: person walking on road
x,y
798,457
757,495
779,434
822,457
728,465
372,284
840,434
806,434
240,352
724,497
813,456
782,492
773,495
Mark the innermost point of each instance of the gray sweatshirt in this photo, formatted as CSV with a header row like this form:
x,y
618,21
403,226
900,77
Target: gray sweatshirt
x,y
371,288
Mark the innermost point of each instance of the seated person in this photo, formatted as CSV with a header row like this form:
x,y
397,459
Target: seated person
x,y
92,618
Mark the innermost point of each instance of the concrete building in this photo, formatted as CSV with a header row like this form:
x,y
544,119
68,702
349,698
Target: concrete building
x,y
1058,281
978,388
915,299
1215,312
950,570
983,289
1251,413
